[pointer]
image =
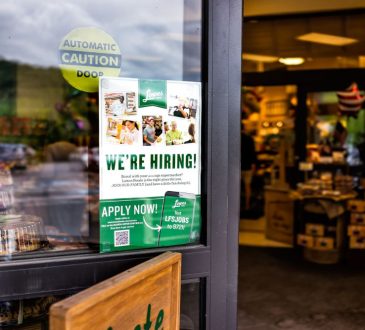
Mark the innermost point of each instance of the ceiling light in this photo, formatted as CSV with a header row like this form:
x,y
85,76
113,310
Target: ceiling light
x,y
291,60
259,58
327,39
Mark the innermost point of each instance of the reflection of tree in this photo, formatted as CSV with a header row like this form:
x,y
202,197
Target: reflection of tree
x,y
77,118
7,88
37,108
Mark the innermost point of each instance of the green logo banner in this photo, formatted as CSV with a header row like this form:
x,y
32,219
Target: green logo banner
x,y
152,93
128,224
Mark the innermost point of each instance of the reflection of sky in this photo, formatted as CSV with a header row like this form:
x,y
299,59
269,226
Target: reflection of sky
x,y
146,30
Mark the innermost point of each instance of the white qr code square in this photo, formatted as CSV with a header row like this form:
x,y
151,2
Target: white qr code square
x,y
121,238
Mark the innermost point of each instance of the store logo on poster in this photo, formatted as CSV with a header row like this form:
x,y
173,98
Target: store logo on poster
x,y
178,204
152,93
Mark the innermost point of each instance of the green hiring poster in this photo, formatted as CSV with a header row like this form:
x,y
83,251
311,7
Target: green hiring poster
x,y
149,163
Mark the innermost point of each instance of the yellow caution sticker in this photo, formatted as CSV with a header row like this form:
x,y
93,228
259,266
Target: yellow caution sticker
x,y
87,54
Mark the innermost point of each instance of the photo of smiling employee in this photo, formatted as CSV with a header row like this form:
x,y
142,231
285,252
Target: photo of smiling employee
x,y
174,136
118,107
149,136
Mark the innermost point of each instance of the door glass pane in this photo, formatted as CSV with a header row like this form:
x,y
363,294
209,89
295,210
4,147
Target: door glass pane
x,y
49,126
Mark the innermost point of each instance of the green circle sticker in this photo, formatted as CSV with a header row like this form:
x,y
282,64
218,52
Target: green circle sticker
x,y
87,54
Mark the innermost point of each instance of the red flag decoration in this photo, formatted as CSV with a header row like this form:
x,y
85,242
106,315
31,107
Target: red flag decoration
x,y
350,101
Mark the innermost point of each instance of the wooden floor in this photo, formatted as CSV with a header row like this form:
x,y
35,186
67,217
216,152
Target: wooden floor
x,y
252,233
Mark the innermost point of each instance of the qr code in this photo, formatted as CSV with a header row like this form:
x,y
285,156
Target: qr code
x,y
121,238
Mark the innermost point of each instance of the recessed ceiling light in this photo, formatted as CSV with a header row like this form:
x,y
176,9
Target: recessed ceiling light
x,y
291,60
259,58
327,39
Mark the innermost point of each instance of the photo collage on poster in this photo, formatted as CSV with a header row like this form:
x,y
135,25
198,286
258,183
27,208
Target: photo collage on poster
x,y
132,126
122,124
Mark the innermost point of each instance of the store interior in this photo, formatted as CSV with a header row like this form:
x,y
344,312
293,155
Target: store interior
x,y
302,223
302,104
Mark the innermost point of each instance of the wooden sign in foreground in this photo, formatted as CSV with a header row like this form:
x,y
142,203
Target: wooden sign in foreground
x,y
144,297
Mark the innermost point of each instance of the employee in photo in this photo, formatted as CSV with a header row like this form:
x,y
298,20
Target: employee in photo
x,y
131,135
182,111
173,136
149,136
191,131
118,107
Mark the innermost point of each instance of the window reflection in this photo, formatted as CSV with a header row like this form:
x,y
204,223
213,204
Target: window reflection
x,y
151,35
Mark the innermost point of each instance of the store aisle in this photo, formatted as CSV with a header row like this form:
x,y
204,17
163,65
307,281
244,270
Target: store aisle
x,y
279,290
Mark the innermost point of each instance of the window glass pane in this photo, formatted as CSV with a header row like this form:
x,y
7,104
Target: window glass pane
x,y
49,126
192,312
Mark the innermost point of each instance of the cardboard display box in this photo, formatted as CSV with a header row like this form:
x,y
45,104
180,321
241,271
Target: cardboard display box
x,y
279,211
314,229
324,243
305,240
356,231
357,242
356,205
357,218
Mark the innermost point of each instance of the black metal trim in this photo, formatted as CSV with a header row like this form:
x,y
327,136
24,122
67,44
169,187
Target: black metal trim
x,y
63,275
224,90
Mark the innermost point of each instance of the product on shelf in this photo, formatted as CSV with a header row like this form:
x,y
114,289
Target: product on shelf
x,y
309,188
5,177
326,185
6,190
20,233
344,183
24,314
6,199
356,229
326,181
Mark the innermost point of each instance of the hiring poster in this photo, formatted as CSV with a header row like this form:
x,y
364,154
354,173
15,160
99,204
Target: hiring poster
x,y
150,134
